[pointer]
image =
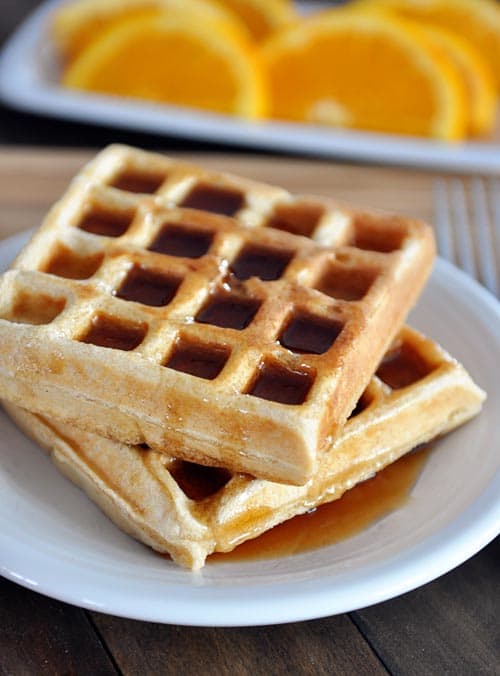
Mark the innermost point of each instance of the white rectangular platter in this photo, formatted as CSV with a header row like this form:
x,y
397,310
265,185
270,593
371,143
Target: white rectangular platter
x,y
29,82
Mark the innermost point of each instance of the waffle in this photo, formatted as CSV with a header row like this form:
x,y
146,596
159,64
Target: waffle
x,y
244,322
190,511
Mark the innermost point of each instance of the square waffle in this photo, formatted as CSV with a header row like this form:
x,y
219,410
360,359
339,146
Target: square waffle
x,y
190,511
163,304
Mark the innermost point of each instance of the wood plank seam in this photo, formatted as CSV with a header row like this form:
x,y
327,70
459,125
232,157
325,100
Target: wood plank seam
x,y
358,623
103,642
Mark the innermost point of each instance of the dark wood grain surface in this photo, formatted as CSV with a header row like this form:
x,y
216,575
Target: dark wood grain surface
x,y
448,627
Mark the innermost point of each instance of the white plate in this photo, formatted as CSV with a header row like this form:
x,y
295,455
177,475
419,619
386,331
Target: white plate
x,y
29,81
55,541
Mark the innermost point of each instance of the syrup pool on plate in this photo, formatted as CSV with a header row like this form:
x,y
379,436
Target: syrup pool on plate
x,y
357,509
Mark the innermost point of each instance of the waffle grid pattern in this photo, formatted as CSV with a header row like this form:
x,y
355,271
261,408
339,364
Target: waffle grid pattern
x,y
212,510
132,259
280,309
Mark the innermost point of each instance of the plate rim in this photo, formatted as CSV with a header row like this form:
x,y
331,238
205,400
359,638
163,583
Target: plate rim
x,y
465,535
16,73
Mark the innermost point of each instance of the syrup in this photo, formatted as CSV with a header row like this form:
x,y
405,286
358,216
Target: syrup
x,y
66,263
35,309
109,332
228,311
308,334
225,201
353,512
402,366
371,238
260,261
299,218
139,182
106,223
276,383
346,283
197,481
203,361
148,287
182,241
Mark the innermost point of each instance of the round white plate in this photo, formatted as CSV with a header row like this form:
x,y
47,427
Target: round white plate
x,y
55,541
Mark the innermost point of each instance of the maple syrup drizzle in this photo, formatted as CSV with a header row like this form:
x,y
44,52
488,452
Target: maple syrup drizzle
x,y
299,218
228,311
308,334
356,510
276,383
372,238
260,261
182,241
148,287
203,361
138,181
225,201
35,309
109,332
402,366
66,263
107,223
345,283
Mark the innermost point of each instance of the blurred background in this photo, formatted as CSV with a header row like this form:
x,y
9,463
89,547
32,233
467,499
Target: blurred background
x,y
21,128
449,626
376,88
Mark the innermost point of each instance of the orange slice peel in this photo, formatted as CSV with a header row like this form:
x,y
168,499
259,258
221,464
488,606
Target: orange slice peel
x,y
364,71
170,59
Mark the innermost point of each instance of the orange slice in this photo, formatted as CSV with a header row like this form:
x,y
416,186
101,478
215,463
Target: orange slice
x,y
78,24
262,17
170,58
477,76
367,72
478,21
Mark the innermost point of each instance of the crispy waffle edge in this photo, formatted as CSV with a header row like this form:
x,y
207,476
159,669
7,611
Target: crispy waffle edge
x,y
135,488
292,436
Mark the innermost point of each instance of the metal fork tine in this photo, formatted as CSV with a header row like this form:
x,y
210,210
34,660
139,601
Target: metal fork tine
x,y
442,219
483,230
463,231
494,191
467,220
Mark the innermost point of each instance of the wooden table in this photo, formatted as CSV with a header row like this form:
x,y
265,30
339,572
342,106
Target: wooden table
x,y
449,626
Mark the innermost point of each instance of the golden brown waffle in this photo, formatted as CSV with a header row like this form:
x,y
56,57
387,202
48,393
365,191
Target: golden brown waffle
x,y
235,340
190,511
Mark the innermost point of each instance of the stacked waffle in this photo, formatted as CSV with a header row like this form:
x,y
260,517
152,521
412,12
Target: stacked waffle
x,y
169,327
